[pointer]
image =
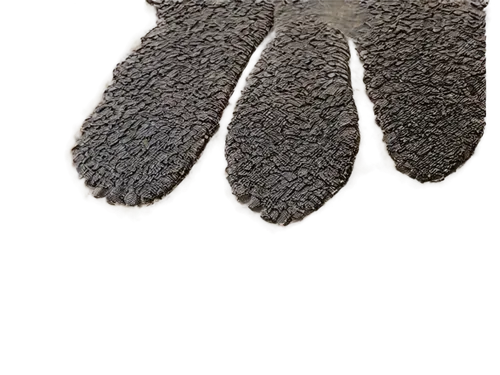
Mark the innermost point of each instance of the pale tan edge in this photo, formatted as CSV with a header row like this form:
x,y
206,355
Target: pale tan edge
x,y
88,194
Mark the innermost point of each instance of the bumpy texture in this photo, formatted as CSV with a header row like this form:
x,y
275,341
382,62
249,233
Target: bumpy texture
x,y
294,136
425,73
166,99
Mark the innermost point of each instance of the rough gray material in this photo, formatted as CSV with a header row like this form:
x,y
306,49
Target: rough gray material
x,y
167,97
426,75
294,136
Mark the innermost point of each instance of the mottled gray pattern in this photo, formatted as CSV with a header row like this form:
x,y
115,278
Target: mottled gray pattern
x,y
167,97
426,75
294,137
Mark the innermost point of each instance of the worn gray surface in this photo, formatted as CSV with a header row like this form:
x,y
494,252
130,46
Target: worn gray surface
x,y
294,136
425,73
167,97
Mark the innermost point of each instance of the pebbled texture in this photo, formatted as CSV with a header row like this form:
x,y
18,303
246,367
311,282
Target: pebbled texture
x,y
294,136
425,73
167,97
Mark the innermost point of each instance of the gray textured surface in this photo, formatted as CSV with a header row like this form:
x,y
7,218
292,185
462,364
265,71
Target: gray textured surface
x,y
425,73
294,136
167,97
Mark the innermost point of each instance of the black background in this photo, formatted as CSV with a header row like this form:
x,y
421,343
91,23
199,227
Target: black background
x,y
379,207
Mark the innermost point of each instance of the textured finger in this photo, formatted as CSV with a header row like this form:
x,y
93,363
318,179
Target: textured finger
x,y
425,73
167,97
294,137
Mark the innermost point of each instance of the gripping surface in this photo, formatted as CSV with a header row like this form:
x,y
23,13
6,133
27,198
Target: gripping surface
x,y
425,73
294,136
167,97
